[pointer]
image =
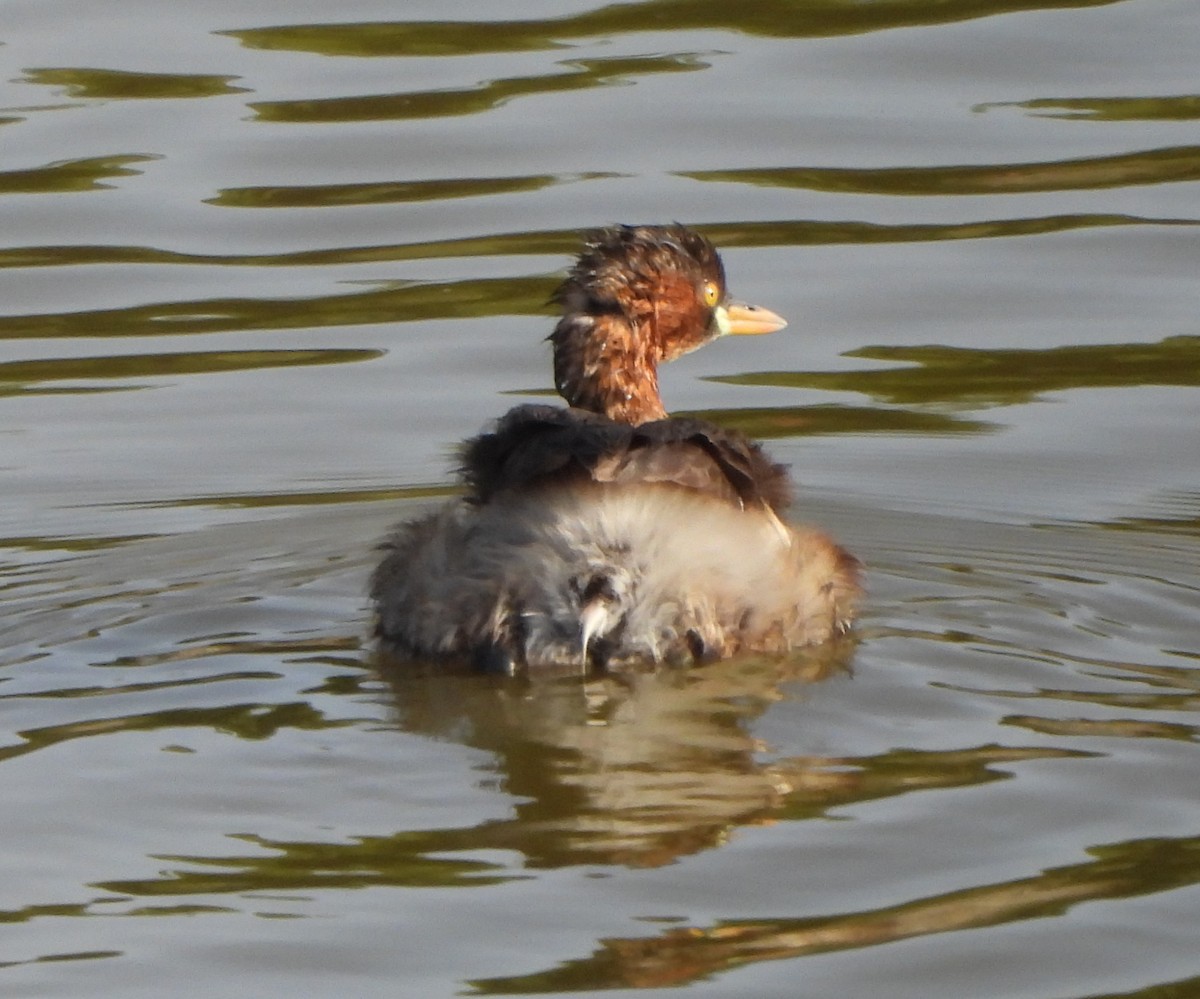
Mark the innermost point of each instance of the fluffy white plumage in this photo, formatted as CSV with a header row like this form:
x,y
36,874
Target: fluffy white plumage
x,y
609,576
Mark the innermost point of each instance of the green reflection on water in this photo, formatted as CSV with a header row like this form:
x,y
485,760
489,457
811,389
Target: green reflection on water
x,y
1000,377
369,861
75,693
674,798
1180,514
1187,701
838,782
114,84
402,302
766,18
806,233
339,195
581,74
1182,108
689,954
78,955
1110,728
636,770
18,376
29,912
247,721
1152,166
1172,689
70,175
80,544
564,242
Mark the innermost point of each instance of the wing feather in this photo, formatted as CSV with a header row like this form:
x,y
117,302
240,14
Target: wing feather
x,y
536,444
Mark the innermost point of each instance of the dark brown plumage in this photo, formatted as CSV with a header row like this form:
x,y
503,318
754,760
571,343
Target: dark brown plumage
x,y
608,533
536,444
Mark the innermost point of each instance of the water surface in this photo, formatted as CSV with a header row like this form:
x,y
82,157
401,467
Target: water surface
x,y
259,276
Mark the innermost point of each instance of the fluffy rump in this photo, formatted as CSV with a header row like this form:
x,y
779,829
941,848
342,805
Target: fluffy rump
x,y
686,576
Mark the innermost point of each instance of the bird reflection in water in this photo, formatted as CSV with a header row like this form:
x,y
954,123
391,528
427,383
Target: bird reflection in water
x,y
637,768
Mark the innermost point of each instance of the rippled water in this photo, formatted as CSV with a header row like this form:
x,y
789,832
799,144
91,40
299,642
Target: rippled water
x,y
262,265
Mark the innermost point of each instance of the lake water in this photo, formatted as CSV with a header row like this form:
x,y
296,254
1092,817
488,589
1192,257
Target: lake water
x,y
262,265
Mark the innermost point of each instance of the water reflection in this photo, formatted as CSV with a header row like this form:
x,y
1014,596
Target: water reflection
x,y
1152,166
113,84
688,954
562,242
1179,513
765,18
70,175
580,74
640,771
1120,728
557,242
398,302
1175,689
190,717
1183,108
29,377
804,232
637,771
248,721
391,192
964,376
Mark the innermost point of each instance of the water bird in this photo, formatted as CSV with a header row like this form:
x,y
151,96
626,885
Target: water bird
x,y
609,534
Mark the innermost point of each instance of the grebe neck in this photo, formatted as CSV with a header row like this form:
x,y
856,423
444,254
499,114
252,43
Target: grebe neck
x,y
603,364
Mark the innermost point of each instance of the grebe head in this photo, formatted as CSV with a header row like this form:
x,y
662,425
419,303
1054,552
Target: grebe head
x,y
638,296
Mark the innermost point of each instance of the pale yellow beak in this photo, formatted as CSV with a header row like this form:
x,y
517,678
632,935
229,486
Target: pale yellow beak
x,y
750,320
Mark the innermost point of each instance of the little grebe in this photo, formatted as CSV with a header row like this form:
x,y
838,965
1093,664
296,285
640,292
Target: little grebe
x,y
610,534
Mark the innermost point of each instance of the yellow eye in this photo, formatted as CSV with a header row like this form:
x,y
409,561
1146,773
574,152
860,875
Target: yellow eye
x,y
711,293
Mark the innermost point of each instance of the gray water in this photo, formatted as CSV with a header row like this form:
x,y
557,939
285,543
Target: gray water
x,y
262,265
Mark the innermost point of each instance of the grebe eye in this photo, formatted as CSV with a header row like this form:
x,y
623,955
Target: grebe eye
x,y
711,293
